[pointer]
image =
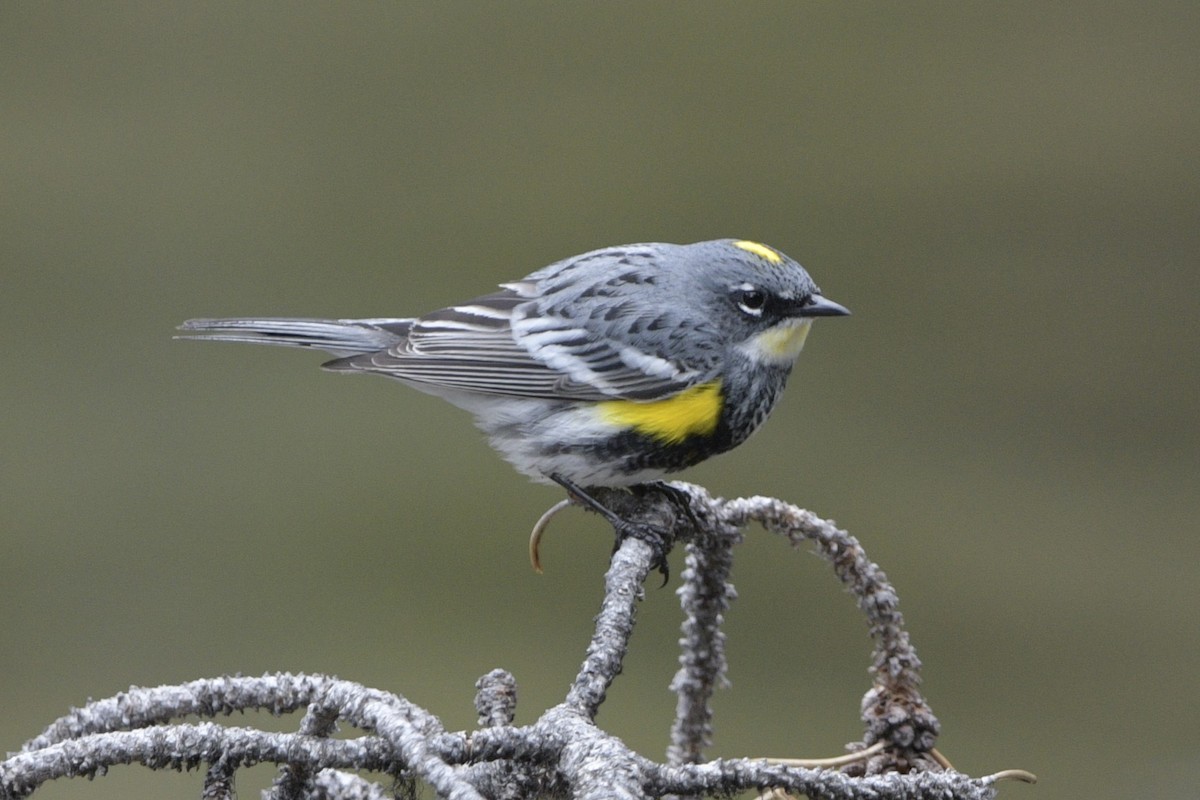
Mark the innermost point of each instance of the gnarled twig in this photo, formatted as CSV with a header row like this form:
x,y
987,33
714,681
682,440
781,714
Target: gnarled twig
x,y
563,753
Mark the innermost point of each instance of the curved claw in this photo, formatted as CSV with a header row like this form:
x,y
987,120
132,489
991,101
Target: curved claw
x,y
539,528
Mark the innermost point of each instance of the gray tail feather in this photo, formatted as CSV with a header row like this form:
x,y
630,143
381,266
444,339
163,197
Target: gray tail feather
x,y
341,337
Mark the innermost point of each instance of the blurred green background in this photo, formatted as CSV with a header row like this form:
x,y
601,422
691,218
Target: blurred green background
x,y
1006,195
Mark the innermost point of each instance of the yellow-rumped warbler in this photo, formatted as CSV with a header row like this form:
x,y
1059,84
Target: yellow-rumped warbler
x,y
611,368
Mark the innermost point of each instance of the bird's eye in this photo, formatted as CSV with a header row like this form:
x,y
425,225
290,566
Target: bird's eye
x,y
752,300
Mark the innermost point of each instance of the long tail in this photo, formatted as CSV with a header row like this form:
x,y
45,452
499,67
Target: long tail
x,y
341,337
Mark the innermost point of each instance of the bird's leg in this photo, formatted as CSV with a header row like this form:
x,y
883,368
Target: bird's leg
x,y
658,537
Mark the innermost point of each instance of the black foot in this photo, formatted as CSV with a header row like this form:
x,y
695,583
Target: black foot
x,y
681,500
656,536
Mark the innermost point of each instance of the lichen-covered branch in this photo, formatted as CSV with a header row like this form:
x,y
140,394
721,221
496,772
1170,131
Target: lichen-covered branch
x,y
614,626
296,780
705,597
893,710
564,753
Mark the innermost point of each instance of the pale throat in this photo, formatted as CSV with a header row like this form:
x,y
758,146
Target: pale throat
x,y
778,345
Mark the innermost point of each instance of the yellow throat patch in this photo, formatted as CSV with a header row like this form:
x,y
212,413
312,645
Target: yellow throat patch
x,y
781,344
692,411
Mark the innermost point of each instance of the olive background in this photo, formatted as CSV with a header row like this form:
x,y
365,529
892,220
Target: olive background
x,y
1005,195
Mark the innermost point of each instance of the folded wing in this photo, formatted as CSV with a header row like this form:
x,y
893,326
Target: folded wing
x,y
504,344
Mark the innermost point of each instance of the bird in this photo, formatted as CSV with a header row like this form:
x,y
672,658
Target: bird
x,y
612,368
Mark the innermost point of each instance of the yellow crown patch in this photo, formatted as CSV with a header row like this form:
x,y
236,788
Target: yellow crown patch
x,y
760,250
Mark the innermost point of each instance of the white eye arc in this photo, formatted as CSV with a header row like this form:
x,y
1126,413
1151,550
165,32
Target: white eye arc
x,y
750,299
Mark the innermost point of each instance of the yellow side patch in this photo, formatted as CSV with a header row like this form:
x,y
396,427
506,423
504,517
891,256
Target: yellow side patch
x,y
780,344
692,411
760,250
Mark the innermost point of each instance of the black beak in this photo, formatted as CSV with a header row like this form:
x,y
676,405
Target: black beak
x,y
817,306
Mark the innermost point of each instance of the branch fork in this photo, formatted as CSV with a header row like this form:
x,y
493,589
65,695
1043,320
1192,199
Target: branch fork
x,y
564,753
